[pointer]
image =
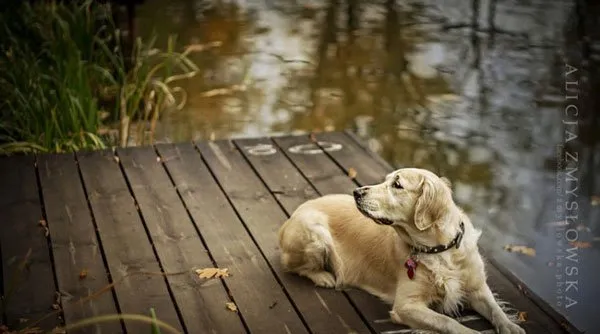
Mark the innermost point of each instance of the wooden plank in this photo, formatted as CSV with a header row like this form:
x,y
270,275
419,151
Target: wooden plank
x,y
280,176
74,244
318,168
324,310
263,305
381,161
178,245
126,245
28,281
354,155
328,178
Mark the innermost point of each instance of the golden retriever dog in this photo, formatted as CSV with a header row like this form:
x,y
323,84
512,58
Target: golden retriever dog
x,y
403,240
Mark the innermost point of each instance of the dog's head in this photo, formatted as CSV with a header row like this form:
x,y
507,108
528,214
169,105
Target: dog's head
x,y
409,198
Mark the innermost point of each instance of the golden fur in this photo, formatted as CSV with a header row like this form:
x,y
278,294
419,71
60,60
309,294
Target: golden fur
x,y
363,242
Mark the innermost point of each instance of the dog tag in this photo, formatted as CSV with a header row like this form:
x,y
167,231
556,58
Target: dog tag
x,y
411,266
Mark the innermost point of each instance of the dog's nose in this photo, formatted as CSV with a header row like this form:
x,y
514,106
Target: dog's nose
x,y
358,193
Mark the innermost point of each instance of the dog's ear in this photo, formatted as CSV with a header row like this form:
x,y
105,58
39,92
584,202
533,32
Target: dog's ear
x,y
429,207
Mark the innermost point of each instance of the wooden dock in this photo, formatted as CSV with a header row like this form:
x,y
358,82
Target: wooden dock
x,y
97,233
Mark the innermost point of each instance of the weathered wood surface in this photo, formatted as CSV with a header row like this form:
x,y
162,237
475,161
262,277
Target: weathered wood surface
x,y
75,246
28,285
129,253
144,219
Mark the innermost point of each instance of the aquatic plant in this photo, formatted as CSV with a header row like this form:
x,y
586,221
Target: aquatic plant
x,y
65,81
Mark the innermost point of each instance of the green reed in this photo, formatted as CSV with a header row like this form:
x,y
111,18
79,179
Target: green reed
x,y
64,80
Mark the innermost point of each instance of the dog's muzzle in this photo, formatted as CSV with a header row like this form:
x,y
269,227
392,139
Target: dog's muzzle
x,y
359,193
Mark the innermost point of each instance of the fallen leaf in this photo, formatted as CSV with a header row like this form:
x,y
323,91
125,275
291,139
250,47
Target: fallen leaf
x,y
157,159
45,226
116,159
83,274
212,272
352,172
522,316
312,137
595,200
520,249
581,244
231,307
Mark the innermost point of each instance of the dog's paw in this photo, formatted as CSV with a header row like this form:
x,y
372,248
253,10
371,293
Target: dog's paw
x,y
323,279
510,328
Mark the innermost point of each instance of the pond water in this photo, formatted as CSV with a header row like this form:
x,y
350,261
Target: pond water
x,y
472,89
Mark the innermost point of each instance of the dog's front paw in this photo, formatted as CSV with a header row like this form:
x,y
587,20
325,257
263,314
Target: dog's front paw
x,y
323,279
510,328
395,317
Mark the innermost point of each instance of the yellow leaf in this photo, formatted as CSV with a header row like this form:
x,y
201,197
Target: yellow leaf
x,y
212,273
83,274
231,307
522,316
352,172
520,249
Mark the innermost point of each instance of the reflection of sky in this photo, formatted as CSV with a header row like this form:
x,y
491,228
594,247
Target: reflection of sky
x,y
477,107
268,70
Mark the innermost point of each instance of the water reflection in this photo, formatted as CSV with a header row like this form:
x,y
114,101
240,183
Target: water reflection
x,y
470,89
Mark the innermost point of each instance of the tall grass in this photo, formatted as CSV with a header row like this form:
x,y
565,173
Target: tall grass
x,y
64,80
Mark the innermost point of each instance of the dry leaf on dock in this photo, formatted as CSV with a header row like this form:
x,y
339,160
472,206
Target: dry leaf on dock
x,y
522,316
231,307
212,272
352,172
45,226
520,249
83,274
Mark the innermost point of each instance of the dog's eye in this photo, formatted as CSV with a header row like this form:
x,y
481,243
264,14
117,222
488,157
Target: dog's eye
x,y
397,185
